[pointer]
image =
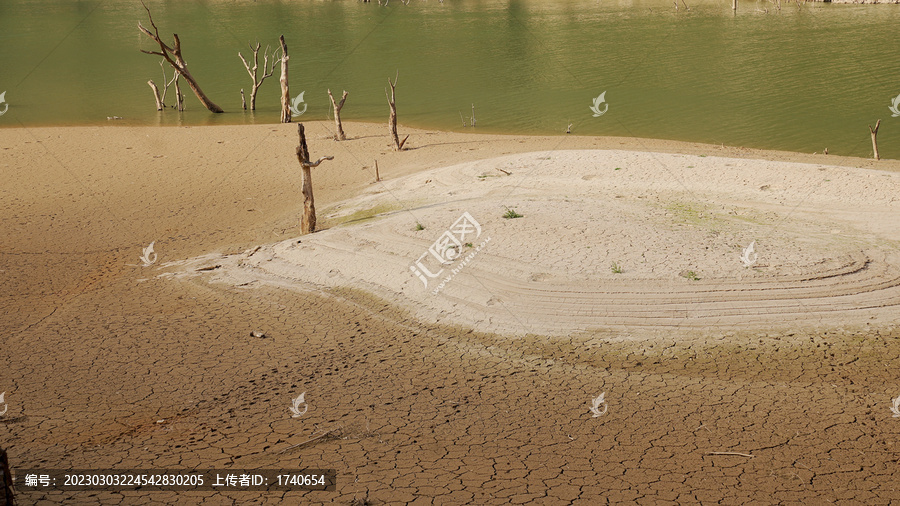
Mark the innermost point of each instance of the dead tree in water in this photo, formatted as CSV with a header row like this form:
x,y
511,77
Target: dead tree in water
x,y
285,91
392,122
253,71
179,96
874,133
173,56
339,134
159,102
308,221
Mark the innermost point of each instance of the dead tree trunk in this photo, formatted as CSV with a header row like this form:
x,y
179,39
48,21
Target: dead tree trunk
x,y
308,221
159,102
339,133
285,92
243,100
253,71
392,122
173,56
874,133
734,5
161,99
179,97
168,82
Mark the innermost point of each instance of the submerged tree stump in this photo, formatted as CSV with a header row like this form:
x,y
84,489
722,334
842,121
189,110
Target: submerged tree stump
x,y
874,133
159,102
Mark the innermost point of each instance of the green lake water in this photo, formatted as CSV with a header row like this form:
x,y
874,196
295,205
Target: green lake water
x,y
799,79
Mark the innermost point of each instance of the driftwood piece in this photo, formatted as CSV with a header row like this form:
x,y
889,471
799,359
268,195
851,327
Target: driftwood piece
x,y
308,220
174,57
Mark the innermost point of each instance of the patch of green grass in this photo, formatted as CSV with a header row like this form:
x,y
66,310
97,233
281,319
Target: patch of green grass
x,y
618,168
468,245
361,215
511,213
690,275
419,226
616,268
702,156
685,213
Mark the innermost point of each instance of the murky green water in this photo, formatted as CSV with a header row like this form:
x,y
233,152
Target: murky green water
x,y
799,80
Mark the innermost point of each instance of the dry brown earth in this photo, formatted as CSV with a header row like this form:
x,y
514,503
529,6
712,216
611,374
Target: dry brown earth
x,y
93,357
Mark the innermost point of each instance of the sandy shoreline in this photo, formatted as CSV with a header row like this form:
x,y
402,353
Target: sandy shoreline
x,y
105,364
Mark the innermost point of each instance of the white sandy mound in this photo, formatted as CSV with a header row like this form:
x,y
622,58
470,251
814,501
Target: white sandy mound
x,y
610,239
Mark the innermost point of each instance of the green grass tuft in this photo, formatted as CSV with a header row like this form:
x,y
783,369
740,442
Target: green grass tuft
x,y
690,275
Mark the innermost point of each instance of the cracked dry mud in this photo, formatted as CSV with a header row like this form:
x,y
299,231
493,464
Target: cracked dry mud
x,y
95,352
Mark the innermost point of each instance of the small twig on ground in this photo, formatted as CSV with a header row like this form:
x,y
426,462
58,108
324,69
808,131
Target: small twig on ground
x,y
310,440
503,171
732,453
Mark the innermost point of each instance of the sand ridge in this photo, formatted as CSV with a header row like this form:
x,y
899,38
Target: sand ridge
x,y
609,239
